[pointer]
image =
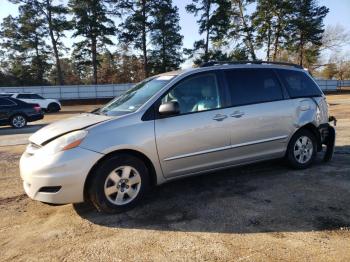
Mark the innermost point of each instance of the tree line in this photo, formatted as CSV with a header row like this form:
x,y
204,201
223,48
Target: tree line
x,y
146,40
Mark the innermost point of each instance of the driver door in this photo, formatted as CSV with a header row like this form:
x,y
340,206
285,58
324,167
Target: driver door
x,y
197,139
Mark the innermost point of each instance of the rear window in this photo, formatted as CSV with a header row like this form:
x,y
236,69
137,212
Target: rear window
x,y
250,86
298,84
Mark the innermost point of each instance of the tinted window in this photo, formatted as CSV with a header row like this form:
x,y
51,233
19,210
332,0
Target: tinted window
x,y
298,83
196,93
35,96
24,96
249,86
6,102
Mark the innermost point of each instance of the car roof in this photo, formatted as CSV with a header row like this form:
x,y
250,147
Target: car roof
x,y
219,65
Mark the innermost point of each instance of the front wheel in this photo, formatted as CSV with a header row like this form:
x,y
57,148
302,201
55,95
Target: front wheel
x,y
302,149
119,183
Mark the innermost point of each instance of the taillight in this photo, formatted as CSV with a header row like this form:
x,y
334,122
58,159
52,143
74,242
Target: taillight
x,y
37,108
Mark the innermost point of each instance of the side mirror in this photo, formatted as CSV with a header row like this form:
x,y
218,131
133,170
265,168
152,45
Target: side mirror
x,y
169,108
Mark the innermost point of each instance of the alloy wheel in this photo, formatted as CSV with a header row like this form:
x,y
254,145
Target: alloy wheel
x,y
303,149
122,185
18,121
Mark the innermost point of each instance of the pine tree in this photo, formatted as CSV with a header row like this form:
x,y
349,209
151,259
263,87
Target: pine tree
x,y
165,37
55,21
241,26
136,26
24,38
91,23
271,20
307,29
214,22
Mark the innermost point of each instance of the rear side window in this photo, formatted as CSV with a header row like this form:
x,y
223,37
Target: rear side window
x,y
35,96
6,102
250,86
24,96
298,84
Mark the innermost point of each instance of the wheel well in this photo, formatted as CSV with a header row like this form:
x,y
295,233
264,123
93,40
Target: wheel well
x,y
147,161
310,127
18,114
53,104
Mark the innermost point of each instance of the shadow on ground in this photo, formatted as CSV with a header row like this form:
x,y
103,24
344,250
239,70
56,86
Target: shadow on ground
x,y
265,197
30,128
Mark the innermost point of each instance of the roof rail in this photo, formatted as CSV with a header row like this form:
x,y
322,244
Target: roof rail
x,y
257,62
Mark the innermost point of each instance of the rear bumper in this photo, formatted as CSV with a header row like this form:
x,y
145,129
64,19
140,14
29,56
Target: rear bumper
x,y
35,117
327,137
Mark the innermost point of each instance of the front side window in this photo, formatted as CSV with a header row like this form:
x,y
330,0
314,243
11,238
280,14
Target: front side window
x,y
249,86
196,93
298,84
135,97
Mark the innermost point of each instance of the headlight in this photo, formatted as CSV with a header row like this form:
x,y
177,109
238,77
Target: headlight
x,y
65,142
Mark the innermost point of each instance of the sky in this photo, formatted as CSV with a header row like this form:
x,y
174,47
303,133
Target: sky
x,y
339,13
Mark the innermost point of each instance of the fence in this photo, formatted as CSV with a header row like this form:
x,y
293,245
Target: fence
x,y
344,83
109,91
71,92
328,85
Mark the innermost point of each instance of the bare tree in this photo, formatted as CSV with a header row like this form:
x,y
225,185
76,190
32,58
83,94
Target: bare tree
x,y
335,37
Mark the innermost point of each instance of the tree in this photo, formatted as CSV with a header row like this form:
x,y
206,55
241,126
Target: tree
x,y
165,37
330,71
23,38
242,26
136,26
271,21
307,28
335,37
55,21
214,22
91,23
128,66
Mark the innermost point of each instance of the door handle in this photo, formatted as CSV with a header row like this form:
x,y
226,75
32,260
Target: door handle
x,y
219,117
237,114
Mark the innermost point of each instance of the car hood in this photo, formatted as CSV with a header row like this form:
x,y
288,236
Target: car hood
x,y
64,126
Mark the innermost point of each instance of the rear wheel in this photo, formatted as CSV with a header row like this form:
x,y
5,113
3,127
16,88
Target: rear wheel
x,y
53,107
119,183
18,121
302,149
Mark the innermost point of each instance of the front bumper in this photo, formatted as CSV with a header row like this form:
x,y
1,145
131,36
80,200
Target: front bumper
x,y
59,178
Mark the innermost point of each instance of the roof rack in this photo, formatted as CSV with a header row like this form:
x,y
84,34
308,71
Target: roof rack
x,y
213,63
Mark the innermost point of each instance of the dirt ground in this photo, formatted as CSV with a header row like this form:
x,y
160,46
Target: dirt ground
x,y
256,213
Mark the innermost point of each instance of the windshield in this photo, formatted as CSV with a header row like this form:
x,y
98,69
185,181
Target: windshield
x,y
134,98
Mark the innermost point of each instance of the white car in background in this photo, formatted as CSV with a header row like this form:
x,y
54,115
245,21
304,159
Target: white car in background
x,y
47,104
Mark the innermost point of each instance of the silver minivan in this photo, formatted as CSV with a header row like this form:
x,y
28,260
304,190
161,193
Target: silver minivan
x,y
179,124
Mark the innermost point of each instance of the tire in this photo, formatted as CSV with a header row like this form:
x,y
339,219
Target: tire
x,y
118,184
18,121
53,107
302,149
